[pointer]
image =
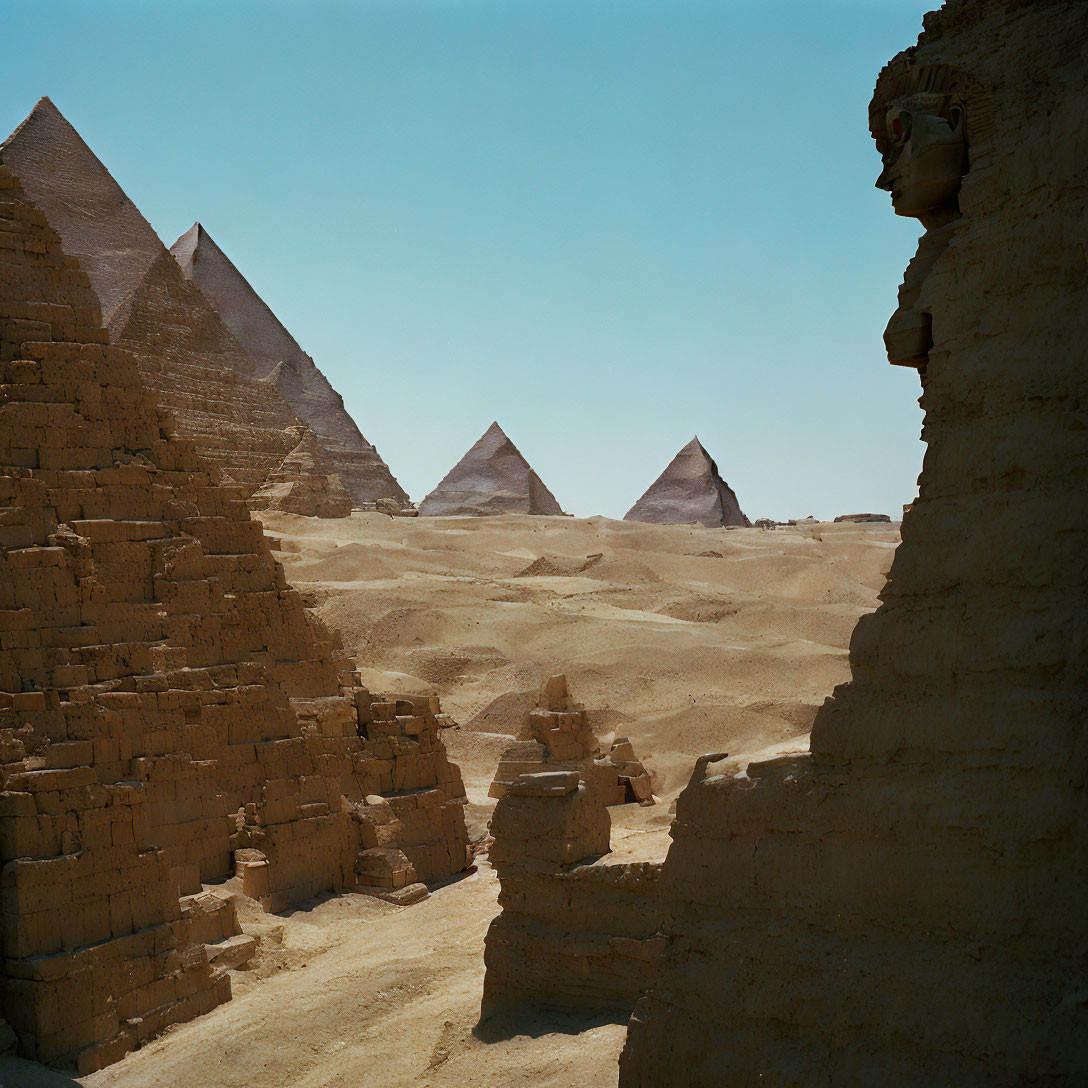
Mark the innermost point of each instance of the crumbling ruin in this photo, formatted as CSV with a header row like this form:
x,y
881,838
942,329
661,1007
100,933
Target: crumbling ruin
x,y
689,490
303,484
904,905
557,736
185,354
492,478
276,357
576,928
170,714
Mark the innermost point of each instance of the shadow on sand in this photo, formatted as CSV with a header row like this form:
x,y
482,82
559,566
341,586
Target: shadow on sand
x,y
508,1023
17,1073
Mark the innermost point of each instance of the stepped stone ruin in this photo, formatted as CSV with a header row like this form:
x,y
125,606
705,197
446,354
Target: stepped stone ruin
x,y
689,490
170,715
905,904
557,736
492,478
185,354
303,484
275,357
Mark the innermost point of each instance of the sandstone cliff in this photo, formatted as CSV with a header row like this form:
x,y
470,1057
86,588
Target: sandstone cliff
x,y
905,905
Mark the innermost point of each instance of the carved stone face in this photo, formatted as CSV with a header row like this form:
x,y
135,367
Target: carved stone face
x,y
925,155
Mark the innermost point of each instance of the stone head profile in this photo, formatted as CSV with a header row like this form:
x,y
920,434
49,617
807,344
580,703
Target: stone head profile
x,y
923,145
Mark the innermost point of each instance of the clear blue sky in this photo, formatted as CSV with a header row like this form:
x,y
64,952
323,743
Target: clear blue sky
x,y
608,225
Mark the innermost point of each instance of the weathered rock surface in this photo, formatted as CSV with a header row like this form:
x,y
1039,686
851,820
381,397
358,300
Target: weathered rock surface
x,y
276,357
863,519
492,478
905,905
556,737
576,929
186,355
303,484
690,489
170,714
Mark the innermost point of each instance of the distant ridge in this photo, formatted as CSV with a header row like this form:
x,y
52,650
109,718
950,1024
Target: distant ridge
x,y
279,360
492,478
689,490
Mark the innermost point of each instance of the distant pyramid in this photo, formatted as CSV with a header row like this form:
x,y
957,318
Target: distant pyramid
x,y
279,360
185,353
690,489
492,478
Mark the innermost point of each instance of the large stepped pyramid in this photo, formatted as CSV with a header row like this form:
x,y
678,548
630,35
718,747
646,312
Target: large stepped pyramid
x,y
171,716
277,358
185,353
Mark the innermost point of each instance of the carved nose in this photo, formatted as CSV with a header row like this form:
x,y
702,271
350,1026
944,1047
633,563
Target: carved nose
x,y
884,182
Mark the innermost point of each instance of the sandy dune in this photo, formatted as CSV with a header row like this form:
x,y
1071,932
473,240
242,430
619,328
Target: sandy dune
x,y
685,639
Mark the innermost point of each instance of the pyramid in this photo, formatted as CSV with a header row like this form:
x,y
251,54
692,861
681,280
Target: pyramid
x,y
171,716
492,478
303,484
278,359
184,352
690,489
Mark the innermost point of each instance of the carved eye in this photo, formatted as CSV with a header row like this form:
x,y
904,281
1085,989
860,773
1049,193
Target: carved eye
x,y
899,127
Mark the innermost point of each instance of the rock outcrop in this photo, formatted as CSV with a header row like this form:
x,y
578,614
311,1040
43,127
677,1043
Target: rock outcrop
x,y
276,357
170,714
576,929
303,484
905,904
185,354
557,736
492,478
689,490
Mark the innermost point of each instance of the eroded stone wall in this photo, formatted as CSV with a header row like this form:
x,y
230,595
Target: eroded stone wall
x,y
170,714
576,929
905,905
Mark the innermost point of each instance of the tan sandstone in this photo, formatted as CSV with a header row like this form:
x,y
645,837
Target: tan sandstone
x,y
171,717
904,905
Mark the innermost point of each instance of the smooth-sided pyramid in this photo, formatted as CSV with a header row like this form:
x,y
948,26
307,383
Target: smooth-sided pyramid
x,y
277,358
303,484
171,716
689,490
186,355
492,478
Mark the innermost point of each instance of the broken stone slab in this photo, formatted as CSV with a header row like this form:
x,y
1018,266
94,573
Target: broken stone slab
x,y
544,784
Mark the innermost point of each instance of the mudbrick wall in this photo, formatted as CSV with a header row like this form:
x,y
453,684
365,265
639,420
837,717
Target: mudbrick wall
x,y
170,714
906,904
576,929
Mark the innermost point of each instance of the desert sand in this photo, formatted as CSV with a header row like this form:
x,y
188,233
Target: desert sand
x,y
683,638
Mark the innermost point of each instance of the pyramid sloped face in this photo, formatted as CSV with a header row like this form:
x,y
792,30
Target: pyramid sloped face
x,y
304,484
184,352
170,713
689,490
492,478
277,358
